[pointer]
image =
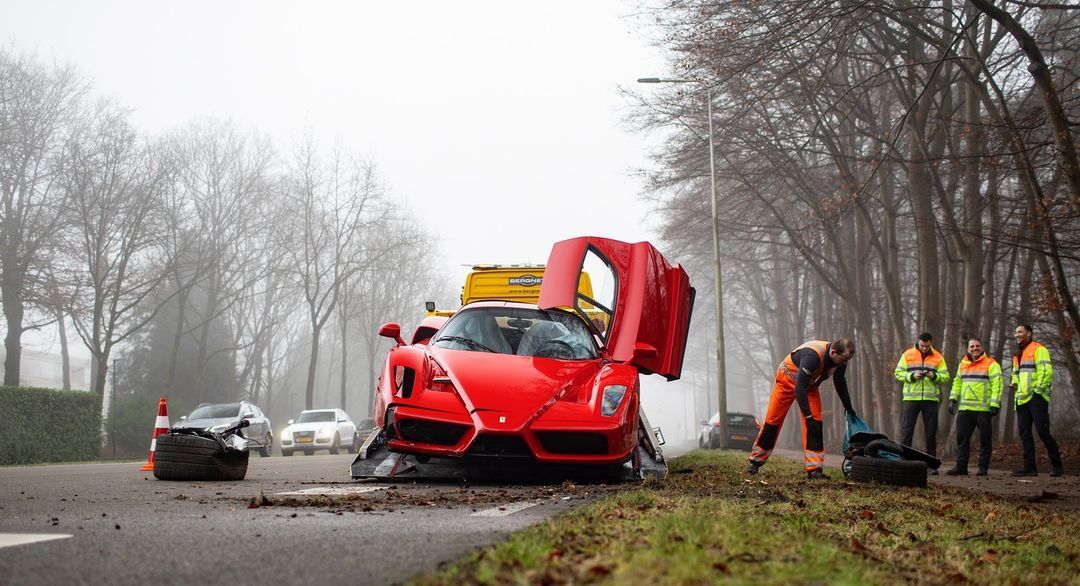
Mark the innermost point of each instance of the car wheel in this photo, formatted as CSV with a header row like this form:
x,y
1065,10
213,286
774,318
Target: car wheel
x,y
355,445
190,457
335,447
285,452
267,447
895,472
309,452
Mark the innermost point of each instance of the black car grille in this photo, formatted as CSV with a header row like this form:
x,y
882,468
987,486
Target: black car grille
x,y
574,442
431,432
499,445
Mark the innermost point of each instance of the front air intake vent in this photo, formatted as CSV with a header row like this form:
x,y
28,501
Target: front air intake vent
x,y
431,432
573,442
499,445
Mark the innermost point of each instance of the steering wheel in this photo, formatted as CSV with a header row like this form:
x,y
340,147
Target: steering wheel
x,y
555,349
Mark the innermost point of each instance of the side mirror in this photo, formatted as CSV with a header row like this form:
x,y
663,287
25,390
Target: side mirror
x,y
644,352
248,416
429,306
393,331
290,422
704,422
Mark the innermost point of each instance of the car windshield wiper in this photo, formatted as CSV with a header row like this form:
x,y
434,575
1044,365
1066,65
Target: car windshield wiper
x,y
468,342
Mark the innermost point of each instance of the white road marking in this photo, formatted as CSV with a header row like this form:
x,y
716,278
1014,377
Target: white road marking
x,y
12,539
505,510
332,491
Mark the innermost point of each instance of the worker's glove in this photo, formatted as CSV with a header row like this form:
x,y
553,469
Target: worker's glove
x,y
994,411
932,375
952,407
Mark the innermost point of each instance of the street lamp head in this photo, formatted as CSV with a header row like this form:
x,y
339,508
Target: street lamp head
x,y
648,80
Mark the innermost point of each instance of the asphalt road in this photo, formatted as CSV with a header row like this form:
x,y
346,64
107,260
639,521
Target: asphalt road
x,y
113,524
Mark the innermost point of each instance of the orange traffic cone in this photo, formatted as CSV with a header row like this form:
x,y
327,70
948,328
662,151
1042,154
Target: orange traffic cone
x,y
161,426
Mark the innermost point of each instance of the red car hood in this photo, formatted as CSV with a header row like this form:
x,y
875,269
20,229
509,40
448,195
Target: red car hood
x,y
521,385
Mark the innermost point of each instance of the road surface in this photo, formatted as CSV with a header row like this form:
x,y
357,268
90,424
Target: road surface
x,y
290,521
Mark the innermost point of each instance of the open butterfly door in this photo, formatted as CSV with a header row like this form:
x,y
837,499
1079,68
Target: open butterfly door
x,y
640,305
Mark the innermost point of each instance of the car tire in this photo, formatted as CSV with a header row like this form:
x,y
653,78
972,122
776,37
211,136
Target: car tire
x,y
875,447
355,445
309,452
335,448
700,442
285,452
268,446
189,457
894,472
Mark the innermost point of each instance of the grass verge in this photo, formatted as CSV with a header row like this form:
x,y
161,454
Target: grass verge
x,y
708,523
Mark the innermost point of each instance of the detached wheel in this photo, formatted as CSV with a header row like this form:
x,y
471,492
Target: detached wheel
x,y
268,446
189,457
894,472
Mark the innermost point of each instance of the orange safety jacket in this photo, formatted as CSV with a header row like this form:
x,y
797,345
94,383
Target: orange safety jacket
x,y
1032,373
818,376
977,386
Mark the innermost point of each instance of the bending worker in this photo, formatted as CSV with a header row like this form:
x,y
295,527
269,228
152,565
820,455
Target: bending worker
x,y
922,369
976,392
798,379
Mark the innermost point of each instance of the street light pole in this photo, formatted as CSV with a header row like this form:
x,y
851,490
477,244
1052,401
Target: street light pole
x,y
721,379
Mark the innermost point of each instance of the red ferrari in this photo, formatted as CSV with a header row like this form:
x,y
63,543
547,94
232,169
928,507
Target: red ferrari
x,y
556,383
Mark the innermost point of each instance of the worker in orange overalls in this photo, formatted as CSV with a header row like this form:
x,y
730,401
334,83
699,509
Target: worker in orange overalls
x,y
798,379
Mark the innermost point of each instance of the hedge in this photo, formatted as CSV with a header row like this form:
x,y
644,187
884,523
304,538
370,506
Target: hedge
x,y
46,425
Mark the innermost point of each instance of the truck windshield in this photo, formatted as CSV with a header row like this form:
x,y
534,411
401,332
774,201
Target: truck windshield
x,y
520,331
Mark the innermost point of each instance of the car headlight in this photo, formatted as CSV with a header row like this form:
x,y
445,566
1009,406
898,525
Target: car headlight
x,y
613,396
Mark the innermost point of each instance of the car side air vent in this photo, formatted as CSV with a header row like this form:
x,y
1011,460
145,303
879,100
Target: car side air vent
x,y
404,377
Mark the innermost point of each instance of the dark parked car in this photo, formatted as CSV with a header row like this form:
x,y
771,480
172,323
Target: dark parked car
x,y
742,429
216,417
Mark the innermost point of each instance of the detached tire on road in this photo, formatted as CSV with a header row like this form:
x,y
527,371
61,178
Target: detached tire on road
x,y
894,472
190,457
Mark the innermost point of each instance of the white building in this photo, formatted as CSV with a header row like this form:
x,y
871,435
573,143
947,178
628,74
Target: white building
x,y
45,369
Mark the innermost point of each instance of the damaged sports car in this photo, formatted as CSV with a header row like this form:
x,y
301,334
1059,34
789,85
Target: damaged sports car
x,y
553,385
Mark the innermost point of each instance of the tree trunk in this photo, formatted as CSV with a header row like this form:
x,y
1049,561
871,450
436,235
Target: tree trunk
x,y
13,316
344,357
313,363
65,353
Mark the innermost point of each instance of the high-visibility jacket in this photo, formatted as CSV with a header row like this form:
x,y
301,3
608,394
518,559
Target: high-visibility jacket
x,y
1032,373
977,386
926,388
818,376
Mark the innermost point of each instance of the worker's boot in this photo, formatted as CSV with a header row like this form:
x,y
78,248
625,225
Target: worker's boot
x,y
1057,470
982,472
957,471
816,474
1025,472
752,467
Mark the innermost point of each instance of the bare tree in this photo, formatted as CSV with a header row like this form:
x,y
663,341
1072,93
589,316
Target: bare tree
x,y
334,201
38,107
114,185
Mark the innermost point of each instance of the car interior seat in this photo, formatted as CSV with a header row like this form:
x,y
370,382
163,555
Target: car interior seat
x,y
539,334
484,329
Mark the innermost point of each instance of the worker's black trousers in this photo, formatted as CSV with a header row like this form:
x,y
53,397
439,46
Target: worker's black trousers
x,y
1036,411
966,422
929,410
